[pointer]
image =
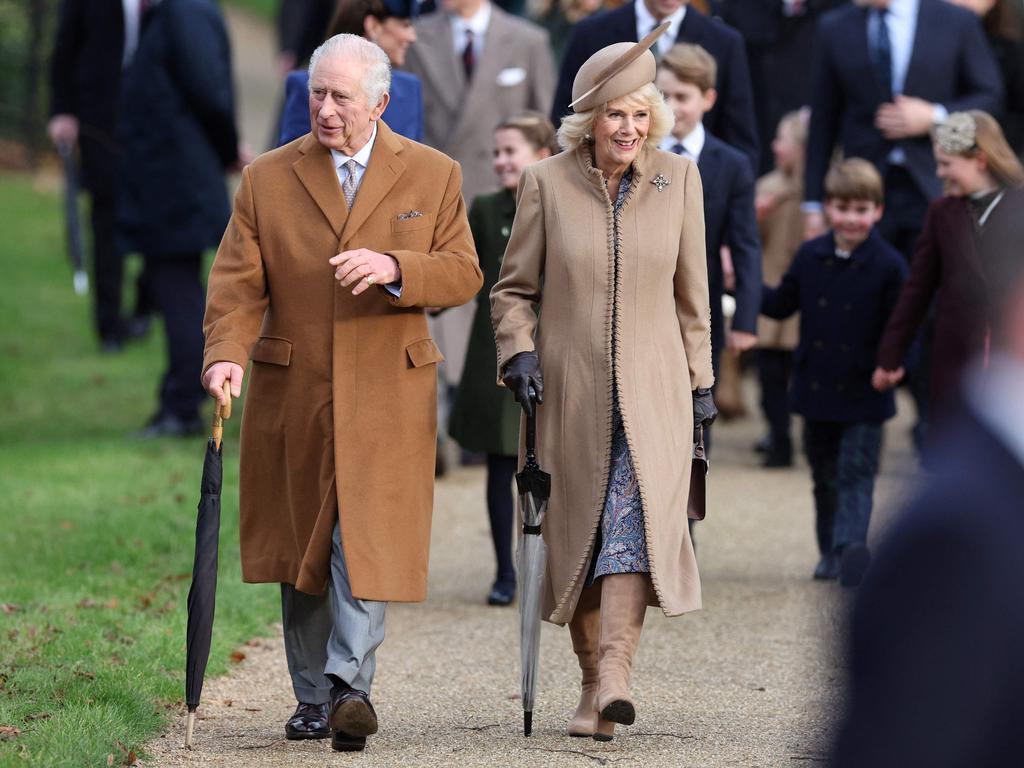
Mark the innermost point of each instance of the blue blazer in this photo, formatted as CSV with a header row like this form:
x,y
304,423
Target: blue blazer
x,y
951,64
732,118
730,219
844,305
404,113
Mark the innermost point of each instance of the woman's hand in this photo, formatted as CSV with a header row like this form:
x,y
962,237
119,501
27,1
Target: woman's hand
x,y
883,379
521,375
704,410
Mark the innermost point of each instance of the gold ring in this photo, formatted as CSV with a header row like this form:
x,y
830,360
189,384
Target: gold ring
x,y
370,279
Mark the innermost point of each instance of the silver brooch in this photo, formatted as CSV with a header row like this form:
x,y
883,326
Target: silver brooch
x,y
408,215
660,182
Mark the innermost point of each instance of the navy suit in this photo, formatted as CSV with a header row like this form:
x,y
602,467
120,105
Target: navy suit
x,y
937,632
844,305
951,64
732,118
404,113
729,219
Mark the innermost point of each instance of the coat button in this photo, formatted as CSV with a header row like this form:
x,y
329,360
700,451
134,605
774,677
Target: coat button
x,y
840,388
814,386
847,306
829,261
822,302
844,347
819,344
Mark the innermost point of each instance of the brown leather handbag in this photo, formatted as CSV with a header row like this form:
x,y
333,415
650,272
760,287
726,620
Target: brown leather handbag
x,y
696,504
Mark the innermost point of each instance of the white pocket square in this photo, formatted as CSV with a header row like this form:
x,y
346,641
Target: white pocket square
x,y
511,76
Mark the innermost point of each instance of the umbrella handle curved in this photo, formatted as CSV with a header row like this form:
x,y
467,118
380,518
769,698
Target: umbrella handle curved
x,y
221,413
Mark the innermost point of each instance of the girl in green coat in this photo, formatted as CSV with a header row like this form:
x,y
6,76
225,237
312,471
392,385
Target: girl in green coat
x,y
485,418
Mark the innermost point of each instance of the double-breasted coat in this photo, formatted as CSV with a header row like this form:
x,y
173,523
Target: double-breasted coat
x,y
649,290
340,416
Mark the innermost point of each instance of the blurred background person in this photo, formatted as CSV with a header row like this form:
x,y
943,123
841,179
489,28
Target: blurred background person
x,y
621,346
558,17
178,137
731,118
844,284
779,39
937,630
388,23
780,221
1002,22
982,178
885,71
301,25
96,41
479,66
485,418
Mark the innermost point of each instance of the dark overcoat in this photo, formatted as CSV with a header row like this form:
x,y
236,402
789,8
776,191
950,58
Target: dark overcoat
x,y
948,266
177,131
844,305
485,417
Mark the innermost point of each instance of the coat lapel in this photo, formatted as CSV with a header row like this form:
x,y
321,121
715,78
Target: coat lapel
x,y
479,101
437,52
315,170
383,170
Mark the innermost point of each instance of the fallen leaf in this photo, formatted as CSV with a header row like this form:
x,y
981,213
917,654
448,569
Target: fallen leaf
x,y
110,759
237,657
228,702
67,525
9,608
87,602
9,731
112,603
179,498
131,758
83,673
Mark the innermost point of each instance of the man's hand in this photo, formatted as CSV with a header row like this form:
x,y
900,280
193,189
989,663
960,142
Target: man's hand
x,y
882,379
63,129
728,270
217,374
245,156
364,268
814,224
741,341
285,63
905,117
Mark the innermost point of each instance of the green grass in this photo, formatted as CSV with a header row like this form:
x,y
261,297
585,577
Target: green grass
x,y
267,9
96,530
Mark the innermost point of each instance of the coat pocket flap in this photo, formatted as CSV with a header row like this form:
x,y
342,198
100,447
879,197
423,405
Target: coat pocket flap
x,y
411,221
269,349
423,352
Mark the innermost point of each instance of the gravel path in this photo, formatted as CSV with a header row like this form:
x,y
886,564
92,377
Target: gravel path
x,y
752,680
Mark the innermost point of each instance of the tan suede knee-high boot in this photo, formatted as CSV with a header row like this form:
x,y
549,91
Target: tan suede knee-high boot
x,y
585,631
623,605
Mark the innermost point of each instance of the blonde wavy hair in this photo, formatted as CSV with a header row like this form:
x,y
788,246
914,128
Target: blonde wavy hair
x,y
579,127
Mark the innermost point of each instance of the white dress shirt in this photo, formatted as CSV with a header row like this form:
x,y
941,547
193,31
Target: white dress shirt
x,y
362,159
693,143
132,21
645,22
477,24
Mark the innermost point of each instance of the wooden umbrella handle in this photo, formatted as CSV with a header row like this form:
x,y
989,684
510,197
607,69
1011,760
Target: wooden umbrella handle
x,y
221,413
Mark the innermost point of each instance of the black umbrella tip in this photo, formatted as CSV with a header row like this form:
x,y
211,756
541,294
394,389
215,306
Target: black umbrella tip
x,y
527,723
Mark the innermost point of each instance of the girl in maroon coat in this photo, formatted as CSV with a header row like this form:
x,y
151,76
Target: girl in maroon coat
x,y
983,180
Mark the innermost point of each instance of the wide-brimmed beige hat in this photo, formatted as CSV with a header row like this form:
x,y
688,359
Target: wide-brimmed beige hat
x,y
615,71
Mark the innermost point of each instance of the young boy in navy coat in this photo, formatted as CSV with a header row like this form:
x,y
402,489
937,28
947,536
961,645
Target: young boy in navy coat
x,y
844,284
686,75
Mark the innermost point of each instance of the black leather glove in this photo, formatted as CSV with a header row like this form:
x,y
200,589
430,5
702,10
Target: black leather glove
x,y
704,410
521,375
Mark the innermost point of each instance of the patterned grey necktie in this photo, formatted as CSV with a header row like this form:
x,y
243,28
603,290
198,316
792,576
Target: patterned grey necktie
x,y
351,185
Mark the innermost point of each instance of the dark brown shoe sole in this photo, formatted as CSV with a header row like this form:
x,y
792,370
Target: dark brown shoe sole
x,y
355,718
620,711
342,742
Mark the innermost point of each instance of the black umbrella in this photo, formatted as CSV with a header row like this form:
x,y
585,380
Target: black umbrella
x,y
71,223
202,595
534,490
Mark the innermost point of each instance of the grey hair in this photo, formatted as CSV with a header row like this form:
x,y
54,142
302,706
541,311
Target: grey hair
x,y
577,128
376,65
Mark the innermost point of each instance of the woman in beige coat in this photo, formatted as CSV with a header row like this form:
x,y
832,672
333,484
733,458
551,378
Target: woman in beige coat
x,y
604,286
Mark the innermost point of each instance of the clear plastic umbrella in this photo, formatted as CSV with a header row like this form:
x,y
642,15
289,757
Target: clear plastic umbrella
x,y
534,491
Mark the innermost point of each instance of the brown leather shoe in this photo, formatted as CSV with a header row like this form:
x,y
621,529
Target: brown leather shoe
x,y
342,742
352,714
308,722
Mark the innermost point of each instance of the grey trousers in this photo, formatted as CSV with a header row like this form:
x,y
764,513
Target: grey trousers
x,y
333,634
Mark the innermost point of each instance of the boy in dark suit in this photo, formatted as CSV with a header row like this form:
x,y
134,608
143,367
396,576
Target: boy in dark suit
x,y
844,284
687,76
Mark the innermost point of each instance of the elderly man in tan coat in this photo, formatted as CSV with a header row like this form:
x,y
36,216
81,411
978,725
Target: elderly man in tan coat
x,y
337,242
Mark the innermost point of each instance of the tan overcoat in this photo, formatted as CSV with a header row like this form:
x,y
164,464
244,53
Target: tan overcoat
x,y
561,261
782,233
340,414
